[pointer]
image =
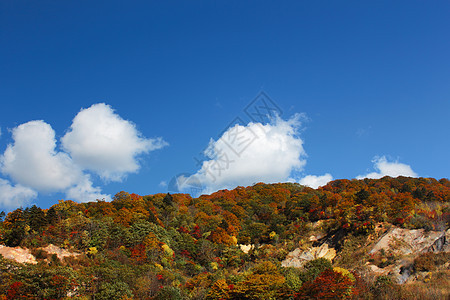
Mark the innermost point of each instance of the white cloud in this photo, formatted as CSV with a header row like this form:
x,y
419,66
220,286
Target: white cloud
x,y
34,164
98,140
314,181
15,196
85,192
101,141
163,183
385,168
33,161
244,155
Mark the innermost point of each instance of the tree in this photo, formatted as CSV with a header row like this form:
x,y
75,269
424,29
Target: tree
x,y
264,282
35,217
113,290
328,285
51,216
16,228
219,290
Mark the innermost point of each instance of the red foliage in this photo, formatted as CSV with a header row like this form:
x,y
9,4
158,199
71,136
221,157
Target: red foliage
x,y
186,254
138,253
196,232
135,196
183,229
16,291
328,285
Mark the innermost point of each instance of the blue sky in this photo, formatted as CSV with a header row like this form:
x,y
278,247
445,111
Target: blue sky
x,y
361,87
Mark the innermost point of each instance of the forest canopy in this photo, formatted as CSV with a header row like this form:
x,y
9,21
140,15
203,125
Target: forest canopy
x,y
173,246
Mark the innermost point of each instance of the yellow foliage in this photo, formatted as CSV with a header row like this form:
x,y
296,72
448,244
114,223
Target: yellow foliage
x,y
272,235
219,290
214,265
345,272
151,241
167,251
260,286
92,251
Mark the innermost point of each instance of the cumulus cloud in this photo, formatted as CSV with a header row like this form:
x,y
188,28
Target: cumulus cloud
x,y
14,196
384,167
98,140
314,181
34,164
253,153
101,141
33,161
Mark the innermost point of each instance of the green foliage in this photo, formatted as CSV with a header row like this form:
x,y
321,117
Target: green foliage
x,y
169,293
113,290
293,280
313,268
385,288
35,217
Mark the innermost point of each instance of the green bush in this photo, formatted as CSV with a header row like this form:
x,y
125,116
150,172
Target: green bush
x,y
313,268
169,293
113,290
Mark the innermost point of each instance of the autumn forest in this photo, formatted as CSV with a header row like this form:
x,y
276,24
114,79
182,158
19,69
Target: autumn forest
x,y
234,244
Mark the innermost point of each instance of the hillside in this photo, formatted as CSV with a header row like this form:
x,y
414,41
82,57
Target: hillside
x,y
351,239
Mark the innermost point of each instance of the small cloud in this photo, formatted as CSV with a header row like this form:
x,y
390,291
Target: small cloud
x,y
83,191
101,141
163,183
314,181
361,132
385,168
187,183
15,196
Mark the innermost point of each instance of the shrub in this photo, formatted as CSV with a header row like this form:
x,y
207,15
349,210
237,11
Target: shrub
x,y
313,268
169,292
114,290
385,288
430,261
39,253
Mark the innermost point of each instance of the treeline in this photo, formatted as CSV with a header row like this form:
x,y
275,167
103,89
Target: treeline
x,y
167,246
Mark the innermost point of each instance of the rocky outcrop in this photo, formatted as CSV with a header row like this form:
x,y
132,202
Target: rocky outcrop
x,y
441,244
408,244
407,241
246,248
18,254
298,258
23,255
60,252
